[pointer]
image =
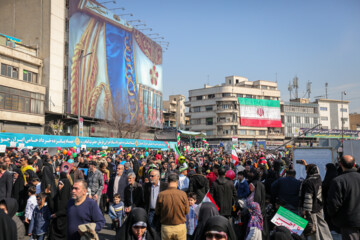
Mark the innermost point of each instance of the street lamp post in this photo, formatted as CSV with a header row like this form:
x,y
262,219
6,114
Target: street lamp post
x,y
79,84
342,119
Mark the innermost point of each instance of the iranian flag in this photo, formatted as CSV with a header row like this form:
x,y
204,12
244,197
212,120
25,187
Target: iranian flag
x,y
234,156
209,198
259,112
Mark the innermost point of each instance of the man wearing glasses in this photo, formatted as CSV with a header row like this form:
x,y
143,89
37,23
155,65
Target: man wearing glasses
x,y
151,192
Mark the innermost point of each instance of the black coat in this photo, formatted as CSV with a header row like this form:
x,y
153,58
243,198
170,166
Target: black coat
x,y
343,200
48,179
7,226
147,193
224,194
199,185
58,206
6,182
123,182
137,196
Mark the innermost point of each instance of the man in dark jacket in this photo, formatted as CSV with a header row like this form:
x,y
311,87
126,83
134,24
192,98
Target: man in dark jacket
x,y
117,183
133,194
199,185
343,199
287,189
151,193
224,193
312,204
6,182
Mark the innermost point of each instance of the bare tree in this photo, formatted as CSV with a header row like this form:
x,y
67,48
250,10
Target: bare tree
x,y
123,124
56,127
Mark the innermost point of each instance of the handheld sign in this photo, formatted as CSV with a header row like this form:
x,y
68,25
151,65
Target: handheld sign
x,y
290,220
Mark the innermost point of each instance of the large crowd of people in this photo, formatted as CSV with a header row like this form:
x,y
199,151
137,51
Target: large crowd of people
x,y
149,194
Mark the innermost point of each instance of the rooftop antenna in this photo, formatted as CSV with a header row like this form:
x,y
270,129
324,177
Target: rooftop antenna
x,y
308,89
296,86
326,90
290,88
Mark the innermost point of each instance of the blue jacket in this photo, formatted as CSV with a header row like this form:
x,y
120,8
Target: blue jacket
x,y
242,189
40,220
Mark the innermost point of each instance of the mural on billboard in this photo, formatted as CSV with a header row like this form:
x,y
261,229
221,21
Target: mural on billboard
x,y
112,67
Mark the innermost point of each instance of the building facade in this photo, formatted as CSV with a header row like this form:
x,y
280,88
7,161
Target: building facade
x,y
22,90
299,113
354,121
332,113
215,110
174,112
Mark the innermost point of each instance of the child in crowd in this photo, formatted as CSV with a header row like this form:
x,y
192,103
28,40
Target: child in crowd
x,y
30,204
40,219
191,220
117,212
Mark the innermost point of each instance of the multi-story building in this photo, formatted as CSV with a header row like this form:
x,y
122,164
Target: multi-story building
x,y
215,110
299,113
354,121
174,111
332,113
42,25
22,90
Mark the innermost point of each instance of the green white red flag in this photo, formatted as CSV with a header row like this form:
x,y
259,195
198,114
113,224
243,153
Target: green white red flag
x,y
259,112
234,156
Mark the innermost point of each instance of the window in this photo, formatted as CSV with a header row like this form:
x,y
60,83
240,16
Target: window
x,y
307,120
298,120
209,133
248,96
262,132
196,121
21,101
344,119
208,108
316,121
323,108
251,132
237,80
198,97
343,109
324,118
196,109
289,119
226,94
242,132
9,71
210,96
289,130
209,121
29,76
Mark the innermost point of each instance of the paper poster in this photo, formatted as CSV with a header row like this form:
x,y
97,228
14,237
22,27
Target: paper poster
x,y
12,144
290,220
2,148
66,167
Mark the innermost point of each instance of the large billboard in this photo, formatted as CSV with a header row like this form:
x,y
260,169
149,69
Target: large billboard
x,y
259,112
114,69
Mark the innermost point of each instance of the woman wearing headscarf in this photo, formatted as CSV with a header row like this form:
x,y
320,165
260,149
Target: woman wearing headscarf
x,y
281,233
207,210
331,173
10,206
19,192
255,225
58,208
218,227
137,227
